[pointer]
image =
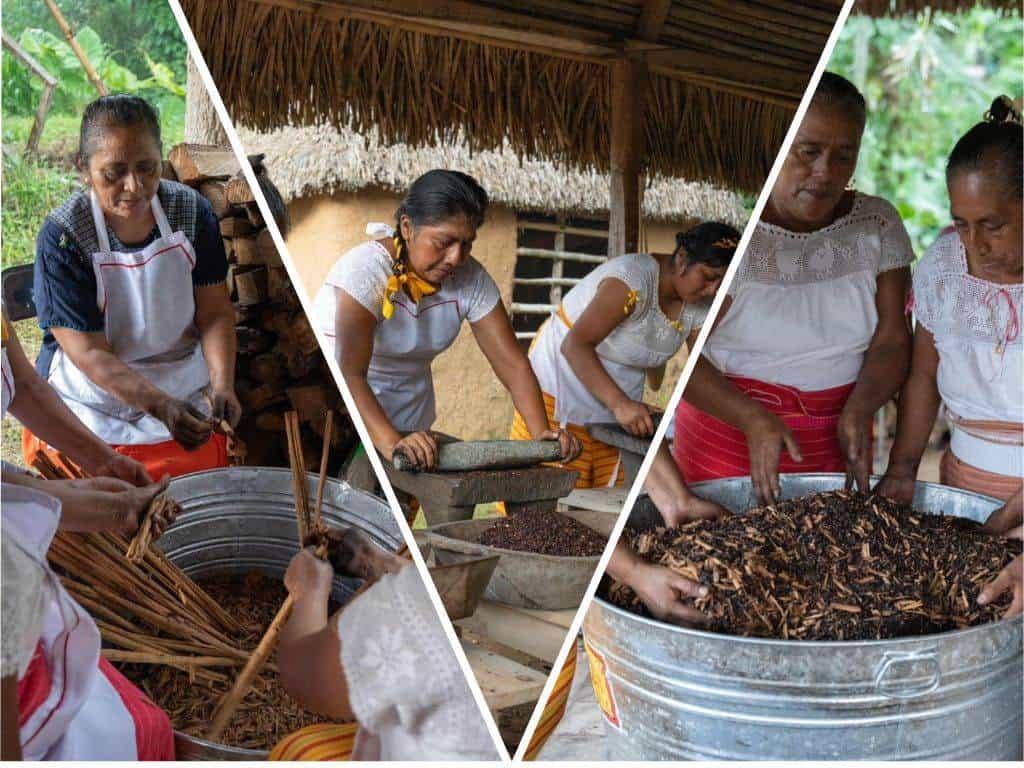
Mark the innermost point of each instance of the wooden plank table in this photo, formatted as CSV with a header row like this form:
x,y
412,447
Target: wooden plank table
x,y
496,633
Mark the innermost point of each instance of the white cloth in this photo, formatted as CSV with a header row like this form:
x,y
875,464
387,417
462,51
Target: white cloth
x,y
405,685
645,339
803,304
404,345
148,305
24,598
977,329
82,716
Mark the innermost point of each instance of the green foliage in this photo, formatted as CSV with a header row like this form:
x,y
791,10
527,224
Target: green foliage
x,y
22,90
32,188
132,29
927,80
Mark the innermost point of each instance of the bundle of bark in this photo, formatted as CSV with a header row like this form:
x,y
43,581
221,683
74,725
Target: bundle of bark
x,y
280,365
832,566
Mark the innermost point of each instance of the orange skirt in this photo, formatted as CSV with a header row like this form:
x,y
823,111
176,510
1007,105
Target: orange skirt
x,y
959,474
554,709
159,459
597,464
326,741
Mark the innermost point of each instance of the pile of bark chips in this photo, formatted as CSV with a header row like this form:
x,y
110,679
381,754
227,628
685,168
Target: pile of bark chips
x,y
831,566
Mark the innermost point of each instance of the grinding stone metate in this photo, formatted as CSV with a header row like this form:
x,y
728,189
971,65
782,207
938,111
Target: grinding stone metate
x,y
471,455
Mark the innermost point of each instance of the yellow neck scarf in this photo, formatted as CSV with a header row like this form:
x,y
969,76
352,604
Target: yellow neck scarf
x,y
415,285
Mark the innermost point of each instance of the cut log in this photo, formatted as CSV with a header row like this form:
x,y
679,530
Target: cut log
x,y
214,192
270,366
252,341
279,286
267,250
235,226
251,285
300,333
269,421
196,163
246,315
229,278
252,211
244,251
310,401
297,363
167,172
263,396
239,192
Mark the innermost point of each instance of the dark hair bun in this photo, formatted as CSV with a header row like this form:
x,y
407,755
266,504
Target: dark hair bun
x,y
711,243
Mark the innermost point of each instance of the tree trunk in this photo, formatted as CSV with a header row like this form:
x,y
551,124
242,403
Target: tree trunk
x,y
202,126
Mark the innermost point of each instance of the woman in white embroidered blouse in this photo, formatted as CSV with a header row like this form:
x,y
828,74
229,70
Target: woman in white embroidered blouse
x,y
623,321
391,305
812,338
383,660
968,353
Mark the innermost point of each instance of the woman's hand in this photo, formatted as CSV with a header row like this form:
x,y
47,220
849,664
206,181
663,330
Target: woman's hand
x,y
663,590
898,483
854,432
1006,520
1011,577
635,418
351,553
119,506
308,576
419,447
122,467
225,407
766,436
696,508
187,425
571,445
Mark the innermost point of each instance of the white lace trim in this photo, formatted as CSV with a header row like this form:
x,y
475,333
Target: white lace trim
x,y
870,237
23,607
952,303
402,674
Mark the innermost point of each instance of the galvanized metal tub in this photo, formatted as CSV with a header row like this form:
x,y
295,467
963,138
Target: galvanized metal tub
x,y
686,694
243,519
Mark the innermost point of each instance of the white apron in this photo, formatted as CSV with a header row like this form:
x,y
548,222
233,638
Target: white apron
x,y
148,308
82,717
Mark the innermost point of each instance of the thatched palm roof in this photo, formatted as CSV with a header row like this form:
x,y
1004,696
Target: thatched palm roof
x,y
322,159
529,74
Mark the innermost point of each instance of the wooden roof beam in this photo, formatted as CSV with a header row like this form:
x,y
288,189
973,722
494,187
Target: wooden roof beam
x,y
761,82
652,19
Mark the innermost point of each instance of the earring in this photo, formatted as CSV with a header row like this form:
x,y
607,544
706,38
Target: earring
x,y
851,185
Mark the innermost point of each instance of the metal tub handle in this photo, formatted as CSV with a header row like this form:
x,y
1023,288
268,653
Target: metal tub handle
x,y
899,689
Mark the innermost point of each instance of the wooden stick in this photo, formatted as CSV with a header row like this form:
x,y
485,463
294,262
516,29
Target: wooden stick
x,y
171,660
69,35
293,429
328,428
231,701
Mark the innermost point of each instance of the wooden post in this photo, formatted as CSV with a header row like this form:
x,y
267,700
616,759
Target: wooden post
x,y
45,100
69,35
628,147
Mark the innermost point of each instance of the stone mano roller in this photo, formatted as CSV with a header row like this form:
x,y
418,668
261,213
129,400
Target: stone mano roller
x,y
465,456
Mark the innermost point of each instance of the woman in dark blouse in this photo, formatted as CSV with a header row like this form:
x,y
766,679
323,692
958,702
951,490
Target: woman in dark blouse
x,y
131,295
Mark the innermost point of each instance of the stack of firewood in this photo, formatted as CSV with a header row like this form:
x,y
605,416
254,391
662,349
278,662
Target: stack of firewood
x,y
280,366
